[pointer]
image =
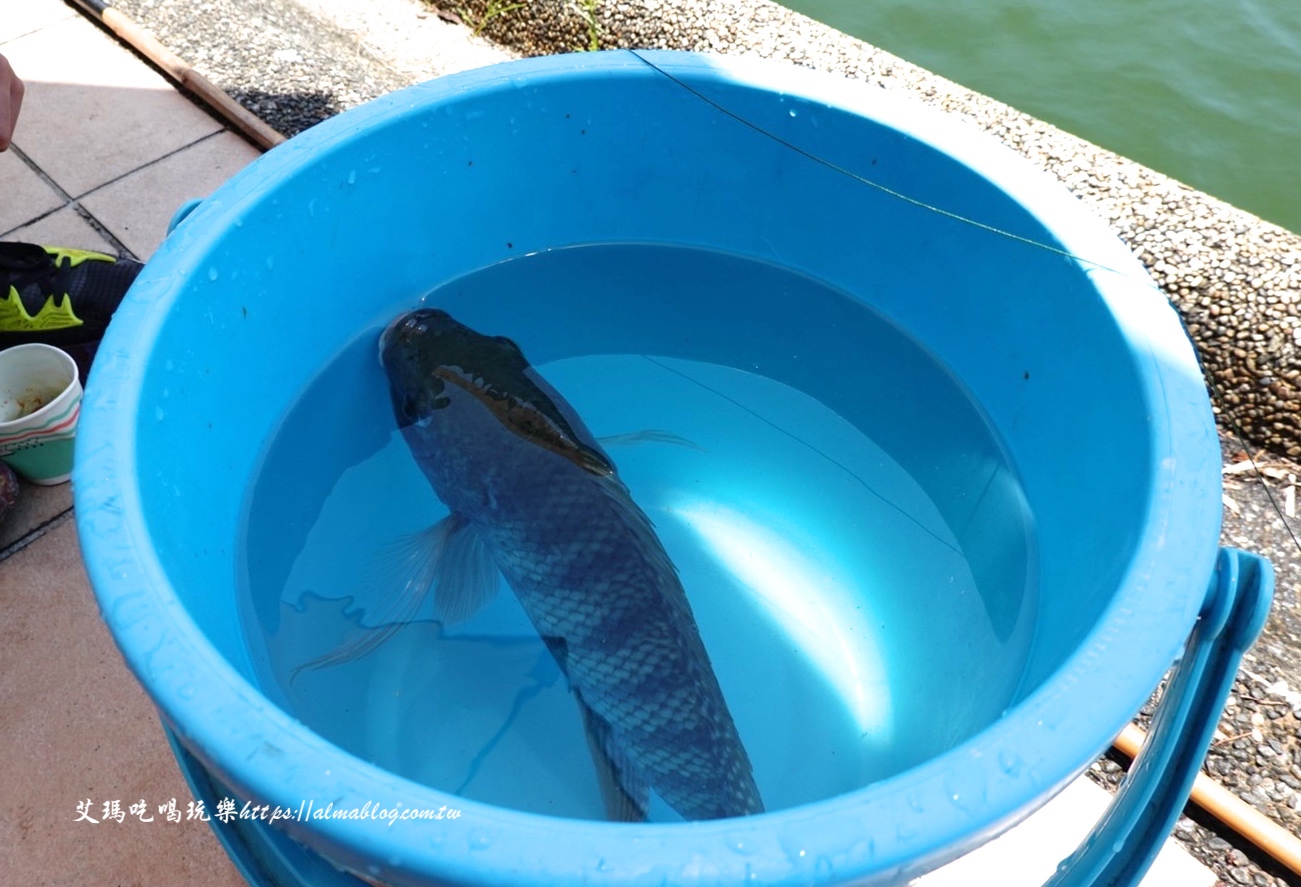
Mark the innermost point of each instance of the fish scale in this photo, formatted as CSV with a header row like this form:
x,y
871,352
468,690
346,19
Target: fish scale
x,y
581,557
654,693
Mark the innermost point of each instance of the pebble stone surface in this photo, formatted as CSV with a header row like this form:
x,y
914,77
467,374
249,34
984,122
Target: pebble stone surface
x,y
295,63
1235,279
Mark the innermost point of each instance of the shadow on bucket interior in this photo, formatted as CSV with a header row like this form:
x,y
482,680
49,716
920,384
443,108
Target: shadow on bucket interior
x,y
917,439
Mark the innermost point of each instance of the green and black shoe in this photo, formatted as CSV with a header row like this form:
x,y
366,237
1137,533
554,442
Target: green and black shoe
x,y
61,297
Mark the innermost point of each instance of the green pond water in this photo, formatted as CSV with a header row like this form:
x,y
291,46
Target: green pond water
x,y
1206,91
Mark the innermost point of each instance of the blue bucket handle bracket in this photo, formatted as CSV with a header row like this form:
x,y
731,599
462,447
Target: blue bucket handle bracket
x,y
1121,847
183,213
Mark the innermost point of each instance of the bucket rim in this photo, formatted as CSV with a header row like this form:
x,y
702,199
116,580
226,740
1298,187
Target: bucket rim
x,y
934,815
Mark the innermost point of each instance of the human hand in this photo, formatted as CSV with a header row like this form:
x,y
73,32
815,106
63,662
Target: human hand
x,y
11,100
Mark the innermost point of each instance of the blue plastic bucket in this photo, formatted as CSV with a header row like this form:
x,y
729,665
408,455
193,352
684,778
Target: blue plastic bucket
x,y
1069,353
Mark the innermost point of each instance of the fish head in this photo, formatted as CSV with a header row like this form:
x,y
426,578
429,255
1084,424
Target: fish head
x,y
424,351
427,353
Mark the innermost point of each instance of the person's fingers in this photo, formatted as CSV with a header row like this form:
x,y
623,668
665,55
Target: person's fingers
x,y
17,89
11,102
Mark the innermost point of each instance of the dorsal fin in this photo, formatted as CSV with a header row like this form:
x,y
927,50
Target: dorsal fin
x,y
540,423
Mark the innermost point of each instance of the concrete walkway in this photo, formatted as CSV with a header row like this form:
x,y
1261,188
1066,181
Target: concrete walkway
x,y
106,150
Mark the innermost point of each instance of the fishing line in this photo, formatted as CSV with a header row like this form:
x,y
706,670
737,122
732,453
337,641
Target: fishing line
x,y
1234,428
886,189
764,419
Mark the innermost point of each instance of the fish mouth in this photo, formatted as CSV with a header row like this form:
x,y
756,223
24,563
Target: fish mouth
x,y
418,322
382,343
387,335
386,338
416,329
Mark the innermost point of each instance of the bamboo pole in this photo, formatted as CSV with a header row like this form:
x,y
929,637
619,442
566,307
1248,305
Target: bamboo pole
x,y
1228,808
147,45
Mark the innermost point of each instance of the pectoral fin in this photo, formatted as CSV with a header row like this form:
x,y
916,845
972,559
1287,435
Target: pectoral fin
x,y
647,435
467,577
449,560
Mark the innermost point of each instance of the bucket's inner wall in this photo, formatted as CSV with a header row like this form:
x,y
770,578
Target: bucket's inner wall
x,y
301,266
824,577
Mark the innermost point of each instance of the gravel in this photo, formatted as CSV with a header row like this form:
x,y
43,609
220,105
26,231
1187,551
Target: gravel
x,y
294,66
285,66
1235,279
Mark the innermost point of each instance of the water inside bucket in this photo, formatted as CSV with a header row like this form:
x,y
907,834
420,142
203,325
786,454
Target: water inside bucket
x,y
846,525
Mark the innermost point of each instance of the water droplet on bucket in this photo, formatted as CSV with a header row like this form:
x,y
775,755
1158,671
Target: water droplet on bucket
x,y
1010,762
158,414
185,691
793,114
1118,845
479,841
271,262
966,788
352,177
212,274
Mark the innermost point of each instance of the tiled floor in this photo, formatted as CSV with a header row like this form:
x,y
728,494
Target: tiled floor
x,y
105,152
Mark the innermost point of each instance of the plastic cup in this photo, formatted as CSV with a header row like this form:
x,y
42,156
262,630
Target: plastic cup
x,y
40,400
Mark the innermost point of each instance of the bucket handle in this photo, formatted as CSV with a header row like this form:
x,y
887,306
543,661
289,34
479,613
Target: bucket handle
x,y
184,211
1122,845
